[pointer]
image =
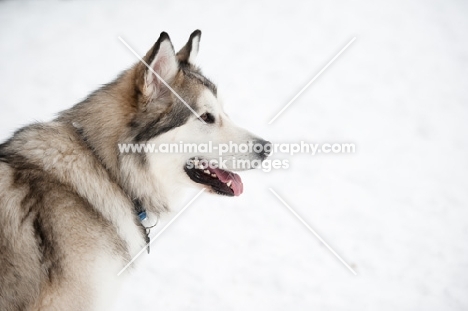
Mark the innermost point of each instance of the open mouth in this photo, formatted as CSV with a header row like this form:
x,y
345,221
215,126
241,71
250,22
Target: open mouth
x,y
220,181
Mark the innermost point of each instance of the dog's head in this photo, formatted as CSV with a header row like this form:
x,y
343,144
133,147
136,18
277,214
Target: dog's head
x,y
179,108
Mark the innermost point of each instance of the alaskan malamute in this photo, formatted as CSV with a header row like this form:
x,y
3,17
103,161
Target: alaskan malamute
x,y
70,200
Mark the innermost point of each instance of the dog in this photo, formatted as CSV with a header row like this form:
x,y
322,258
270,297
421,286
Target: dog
x,y
71,201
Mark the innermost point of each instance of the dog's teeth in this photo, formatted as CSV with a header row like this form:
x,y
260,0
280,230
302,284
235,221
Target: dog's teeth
x,y
207,172
214,175
229,183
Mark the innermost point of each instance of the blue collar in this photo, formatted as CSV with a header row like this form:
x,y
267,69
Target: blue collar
x,y
142,215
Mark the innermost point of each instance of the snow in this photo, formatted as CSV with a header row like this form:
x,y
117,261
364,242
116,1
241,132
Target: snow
x,y
396,210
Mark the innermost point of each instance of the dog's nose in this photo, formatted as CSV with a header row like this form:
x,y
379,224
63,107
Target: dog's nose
x,y
265,149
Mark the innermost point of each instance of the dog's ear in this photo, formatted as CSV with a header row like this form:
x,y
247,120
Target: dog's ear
x,y
189,52
162,63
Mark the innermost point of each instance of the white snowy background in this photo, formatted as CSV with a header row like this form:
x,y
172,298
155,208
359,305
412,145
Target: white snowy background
x,y
396,210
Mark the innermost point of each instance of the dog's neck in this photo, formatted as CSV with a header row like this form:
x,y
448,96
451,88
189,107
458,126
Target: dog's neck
x,y
102,122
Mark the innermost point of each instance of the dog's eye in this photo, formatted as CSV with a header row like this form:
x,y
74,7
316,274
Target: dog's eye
x,y
208,118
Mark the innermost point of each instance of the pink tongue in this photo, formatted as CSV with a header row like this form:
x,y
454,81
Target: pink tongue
x,y
226,176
